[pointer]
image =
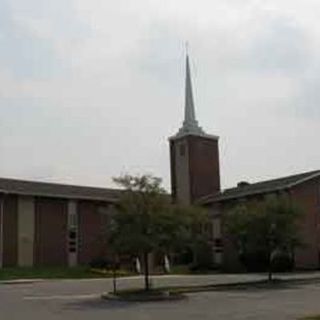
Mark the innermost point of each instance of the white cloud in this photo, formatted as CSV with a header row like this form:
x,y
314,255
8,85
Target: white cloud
x,y
103,87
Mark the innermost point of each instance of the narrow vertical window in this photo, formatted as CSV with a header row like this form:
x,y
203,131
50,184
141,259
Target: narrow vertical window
x,y
72,237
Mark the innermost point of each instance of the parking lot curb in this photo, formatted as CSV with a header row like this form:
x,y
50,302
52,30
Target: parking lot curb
x,y
20,281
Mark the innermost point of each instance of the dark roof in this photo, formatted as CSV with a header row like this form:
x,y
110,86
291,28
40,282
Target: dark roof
x,y
261,187
44,189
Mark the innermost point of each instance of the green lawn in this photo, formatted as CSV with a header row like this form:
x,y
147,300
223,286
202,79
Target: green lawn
x,y
73,273
317,317
54,273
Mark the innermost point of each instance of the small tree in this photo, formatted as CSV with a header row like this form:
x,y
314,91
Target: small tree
x,y
263,227
107,237
147,221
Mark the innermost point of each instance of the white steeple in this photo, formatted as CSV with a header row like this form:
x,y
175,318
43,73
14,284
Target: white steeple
x,y
190,124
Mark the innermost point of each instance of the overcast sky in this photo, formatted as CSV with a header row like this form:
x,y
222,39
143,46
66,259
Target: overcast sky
x,y
93,89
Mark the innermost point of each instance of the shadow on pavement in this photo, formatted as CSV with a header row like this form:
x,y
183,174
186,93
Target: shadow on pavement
x,y
275,285
102,304
99,303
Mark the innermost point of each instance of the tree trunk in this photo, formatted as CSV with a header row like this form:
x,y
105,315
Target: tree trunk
x,y
114,274
270,274
146,271
270,267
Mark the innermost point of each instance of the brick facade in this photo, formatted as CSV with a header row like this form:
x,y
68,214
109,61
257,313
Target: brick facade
x,y
195,169
50,232
43,236
10,242
91,228
204,166
307,196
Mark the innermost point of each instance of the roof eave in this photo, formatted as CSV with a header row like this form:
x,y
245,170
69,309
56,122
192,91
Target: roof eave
x,y
57,196
212,199
248,194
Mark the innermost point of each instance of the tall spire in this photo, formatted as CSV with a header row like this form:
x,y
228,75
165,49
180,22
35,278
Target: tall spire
x,y
190,124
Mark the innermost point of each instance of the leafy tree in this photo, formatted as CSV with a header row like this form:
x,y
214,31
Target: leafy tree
x,y
263,228
146,221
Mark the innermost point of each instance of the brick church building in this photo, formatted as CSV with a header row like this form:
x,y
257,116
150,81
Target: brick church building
x,y
195,177
47,224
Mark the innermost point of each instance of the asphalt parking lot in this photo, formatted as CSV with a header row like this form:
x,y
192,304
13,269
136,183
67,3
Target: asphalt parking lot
x,y
80,299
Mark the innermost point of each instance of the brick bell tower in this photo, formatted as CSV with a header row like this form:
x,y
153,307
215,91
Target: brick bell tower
x,y
194,155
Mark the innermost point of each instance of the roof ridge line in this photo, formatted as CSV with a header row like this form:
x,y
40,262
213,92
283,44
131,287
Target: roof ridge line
x,y
276,179
316,174
57,184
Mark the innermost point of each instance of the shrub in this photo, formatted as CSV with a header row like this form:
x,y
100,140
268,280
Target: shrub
x,y
282,262
259,261
203,258
255,261
101,263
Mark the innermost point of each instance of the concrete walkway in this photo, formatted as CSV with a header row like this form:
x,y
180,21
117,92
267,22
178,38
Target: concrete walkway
x,y
182,280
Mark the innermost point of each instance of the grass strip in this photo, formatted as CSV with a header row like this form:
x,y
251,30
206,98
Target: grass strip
x,y
7,274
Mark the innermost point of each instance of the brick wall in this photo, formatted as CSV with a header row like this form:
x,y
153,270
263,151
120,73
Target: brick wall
x,y
195,170
307,196
10,242
50,232
204,166
91,224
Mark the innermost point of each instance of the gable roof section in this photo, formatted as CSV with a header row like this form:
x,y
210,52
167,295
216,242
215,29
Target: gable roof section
x,y
261,187
44,189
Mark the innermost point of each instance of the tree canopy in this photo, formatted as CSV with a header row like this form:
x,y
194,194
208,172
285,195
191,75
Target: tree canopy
x,y
146,220
262,228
